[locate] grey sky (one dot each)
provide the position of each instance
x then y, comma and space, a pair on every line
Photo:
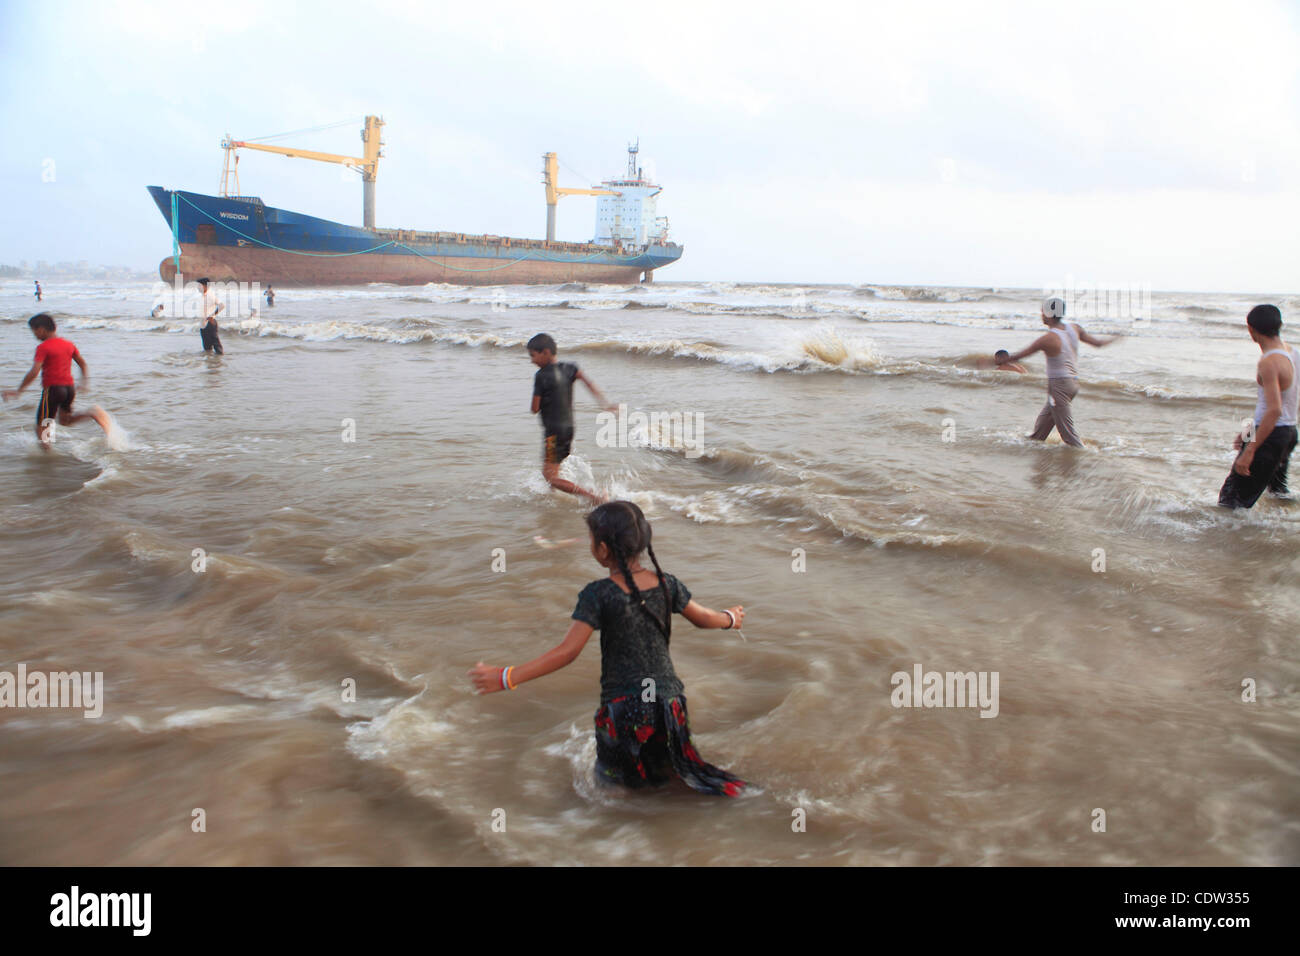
946, 143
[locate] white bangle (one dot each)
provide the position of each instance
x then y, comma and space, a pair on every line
733, 619
504, 685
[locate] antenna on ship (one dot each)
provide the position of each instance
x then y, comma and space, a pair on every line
632, 150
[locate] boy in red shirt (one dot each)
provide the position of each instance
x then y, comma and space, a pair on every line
54, 358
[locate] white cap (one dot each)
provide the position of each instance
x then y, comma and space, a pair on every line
1054, 307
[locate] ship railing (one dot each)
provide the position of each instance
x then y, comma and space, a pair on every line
460, 238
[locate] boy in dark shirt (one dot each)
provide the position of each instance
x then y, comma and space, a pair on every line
54, 358
553, 398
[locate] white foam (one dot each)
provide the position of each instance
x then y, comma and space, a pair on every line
117, 438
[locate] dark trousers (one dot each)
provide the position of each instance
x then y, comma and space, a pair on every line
211, 342
1267, 470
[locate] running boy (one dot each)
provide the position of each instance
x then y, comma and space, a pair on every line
553, 397
1262, 461
643, 736
1060, 345
54, 358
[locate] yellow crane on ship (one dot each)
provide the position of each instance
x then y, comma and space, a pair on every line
550, 176
367, 165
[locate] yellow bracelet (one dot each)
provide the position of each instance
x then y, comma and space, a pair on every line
509, 682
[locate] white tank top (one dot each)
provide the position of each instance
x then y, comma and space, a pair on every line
1290, 397
1062, 365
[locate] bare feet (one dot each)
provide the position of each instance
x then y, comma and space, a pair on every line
102, 419
551, 473
562, 484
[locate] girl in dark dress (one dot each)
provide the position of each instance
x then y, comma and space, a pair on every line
642, 732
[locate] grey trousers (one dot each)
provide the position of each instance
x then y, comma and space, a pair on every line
1056, 413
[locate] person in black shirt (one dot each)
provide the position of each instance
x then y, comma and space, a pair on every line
553, 398
643, 735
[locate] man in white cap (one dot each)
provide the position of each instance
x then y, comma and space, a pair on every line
1060, 346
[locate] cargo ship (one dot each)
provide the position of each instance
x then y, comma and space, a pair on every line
234, 238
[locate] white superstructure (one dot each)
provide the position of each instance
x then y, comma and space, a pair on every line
628, 218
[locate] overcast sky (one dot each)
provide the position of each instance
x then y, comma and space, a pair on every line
952, 143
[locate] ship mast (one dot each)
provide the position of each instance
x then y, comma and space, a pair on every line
230, 170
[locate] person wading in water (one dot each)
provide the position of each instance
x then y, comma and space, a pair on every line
1263, 456
1060, 346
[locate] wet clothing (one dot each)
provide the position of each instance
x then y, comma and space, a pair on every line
1290, 396
54, 399
55, 355
643, 742
1057, 412
1267, 470
208, 324
211, 341
1063, 364
1062, 386
632, 647
554, 385
557, 446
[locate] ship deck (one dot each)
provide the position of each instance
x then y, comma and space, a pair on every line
466, 239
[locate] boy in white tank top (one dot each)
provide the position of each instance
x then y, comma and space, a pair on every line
1264, 452
1060, 345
